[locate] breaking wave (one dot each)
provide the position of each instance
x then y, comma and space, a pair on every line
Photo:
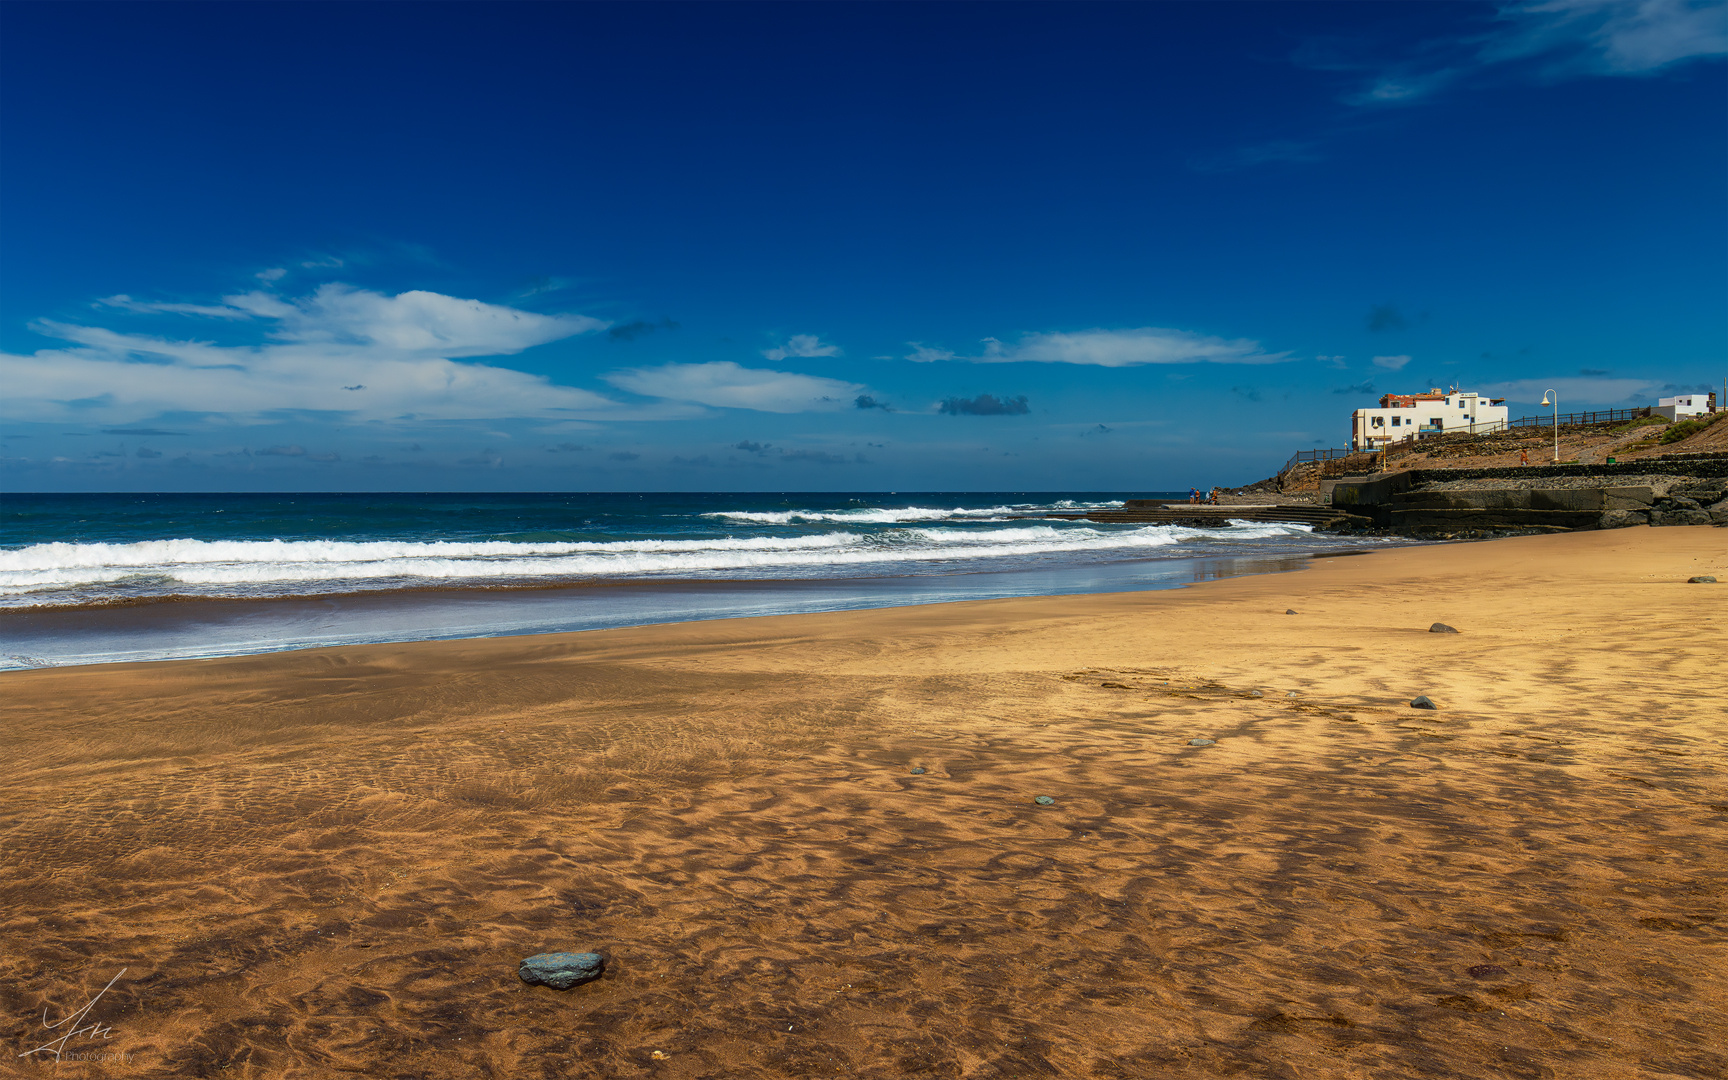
217, 567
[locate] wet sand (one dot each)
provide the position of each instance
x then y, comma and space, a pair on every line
329, 862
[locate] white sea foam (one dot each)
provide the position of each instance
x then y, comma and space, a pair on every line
201, 563
875, 516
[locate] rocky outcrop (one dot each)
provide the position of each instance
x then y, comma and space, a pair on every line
1446, 503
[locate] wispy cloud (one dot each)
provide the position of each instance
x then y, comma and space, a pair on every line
1609, 37
1391, 363
1541, 39
404, 349
924, 354
1113, 348
725, 384
801, 345
144, 307
1361, 389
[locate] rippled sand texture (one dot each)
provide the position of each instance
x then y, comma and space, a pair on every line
329, 862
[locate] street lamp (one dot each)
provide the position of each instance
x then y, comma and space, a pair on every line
1556, 404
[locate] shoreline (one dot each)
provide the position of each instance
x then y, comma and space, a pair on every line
156, 629
807, 844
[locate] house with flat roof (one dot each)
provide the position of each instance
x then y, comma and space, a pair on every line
1413, 416
1681, 406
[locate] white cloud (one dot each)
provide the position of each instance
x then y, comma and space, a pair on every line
402, 349
726, 385
275, 273
1401, 89
1560, 39
924, 354
1578, 392
1615, 37
1391, 363
142, 307
801, 345
1120, 348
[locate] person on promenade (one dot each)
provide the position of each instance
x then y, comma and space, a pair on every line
1193, 495
1523, 457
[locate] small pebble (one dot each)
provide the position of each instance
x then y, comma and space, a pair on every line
1044, 800
1201, 742
1423, 703
659, 1055
1486, 971
1289, 611
1441, 628
919, 771
1255, 693
1291, 694
1701, 579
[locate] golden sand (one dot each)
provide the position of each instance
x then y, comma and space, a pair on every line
329, 862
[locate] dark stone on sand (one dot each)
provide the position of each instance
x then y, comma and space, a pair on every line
1701, 579
1289, 611
919, 771
1255, 693
1201, 742
1487, 971
1044, 800
560, 970
1423, 703
1441, 628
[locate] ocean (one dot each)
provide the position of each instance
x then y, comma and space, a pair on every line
89, 578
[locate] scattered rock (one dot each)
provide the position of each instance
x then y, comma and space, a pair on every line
1442, 628
659, 1055
1620, 519
1289, 611
1487, 971
918, 770
1202, 742
561, 970
1114, 686
1423, 703
1255, 693
1701, 579
1044, 800
1680, 516
1291, 694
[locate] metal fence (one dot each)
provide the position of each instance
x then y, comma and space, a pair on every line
1574, 419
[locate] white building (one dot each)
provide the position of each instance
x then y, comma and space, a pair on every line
1408, 416
1678, 408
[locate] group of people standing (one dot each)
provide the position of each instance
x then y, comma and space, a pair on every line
1210, 498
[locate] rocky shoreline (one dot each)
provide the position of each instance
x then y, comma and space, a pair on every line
1486, 503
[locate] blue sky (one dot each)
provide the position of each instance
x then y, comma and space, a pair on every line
833, 247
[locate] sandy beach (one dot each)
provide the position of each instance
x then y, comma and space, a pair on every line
329, 862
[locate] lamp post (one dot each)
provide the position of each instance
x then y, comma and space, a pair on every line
1556, 404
